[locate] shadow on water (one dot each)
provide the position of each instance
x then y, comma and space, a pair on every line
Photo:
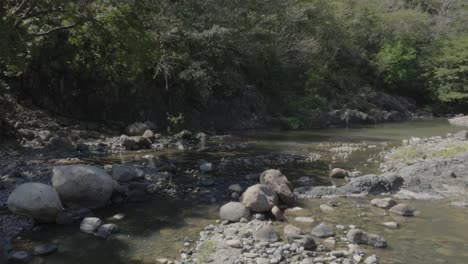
151, 230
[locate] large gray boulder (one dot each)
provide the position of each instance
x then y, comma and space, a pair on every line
82, 185
259, 198
136, 129
279, 184
234, 211
36, 200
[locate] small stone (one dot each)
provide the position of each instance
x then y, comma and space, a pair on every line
21, 256
326, 208
118, 217
403, 210
290, 230
277, 213
371, 260
235, 188
260, 217
266, 234
304, 219
90, 224
162, 261
45, 249
385, 203
187, 244
206, 167
235, 243
106, 230
322, 231
235, 196
391, 224
338, 173
360, 237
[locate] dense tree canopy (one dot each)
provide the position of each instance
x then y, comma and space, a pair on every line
307, 53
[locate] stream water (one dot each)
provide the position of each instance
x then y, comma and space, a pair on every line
158, 227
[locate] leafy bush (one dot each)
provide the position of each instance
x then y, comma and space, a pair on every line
176, 123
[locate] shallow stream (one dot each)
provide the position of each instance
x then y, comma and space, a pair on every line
158, 227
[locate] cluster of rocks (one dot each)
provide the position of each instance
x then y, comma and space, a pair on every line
75, 190
245, 235
432, 168
361, 186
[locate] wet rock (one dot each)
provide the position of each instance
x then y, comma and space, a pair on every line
45, 249
106, 230
35, 200
304, 219
326, 208
358, 236
124, 173
276, 212
323, 230
136, 129
235, 188
290, 230
90, 224
279, 184
364, 185
128, 143
206, 167
58, 143
118, 217
234, 211
19, 256
266, 234
403, 210
338, 173
302, 240
82, 185
235, 195
385, 203
259, 198
371, 260
82, 146
393, 225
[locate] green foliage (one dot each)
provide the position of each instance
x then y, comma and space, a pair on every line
176, 123
206, 249
396, 61
450, 70
302, 55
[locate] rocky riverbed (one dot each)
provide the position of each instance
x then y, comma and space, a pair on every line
221, 169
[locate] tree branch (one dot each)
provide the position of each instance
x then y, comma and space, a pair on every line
45, 33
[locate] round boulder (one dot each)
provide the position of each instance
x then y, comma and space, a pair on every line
233, 211
82, 186
136, 129
280, 184
259, 198
338, 173
36, 200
